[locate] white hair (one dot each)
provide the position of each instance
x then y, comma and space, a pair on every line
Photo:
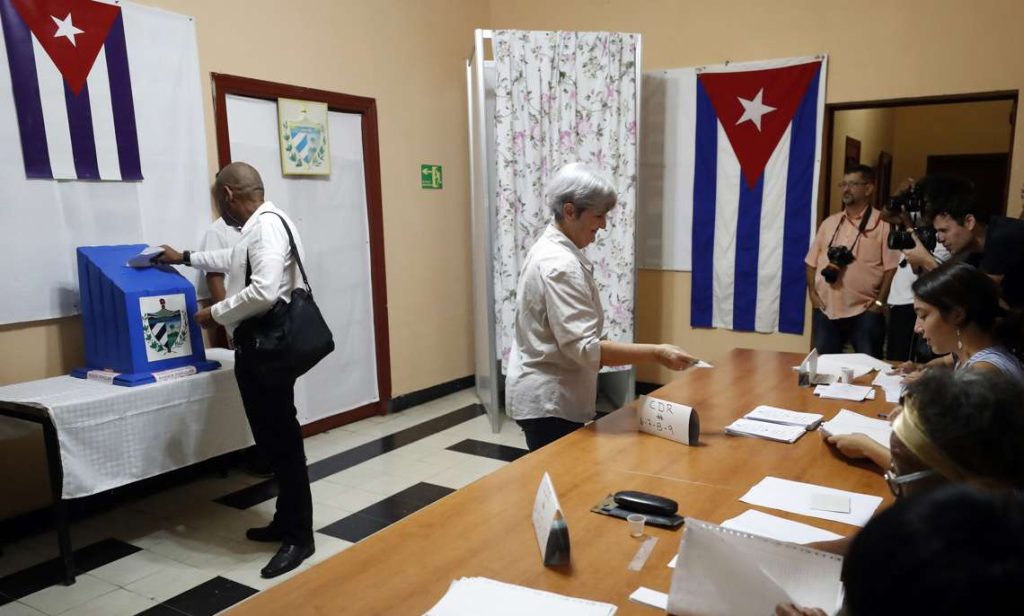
580, 185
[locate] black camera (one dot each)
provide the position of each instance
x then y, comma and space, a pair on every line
838, 258
910, 201
902, 238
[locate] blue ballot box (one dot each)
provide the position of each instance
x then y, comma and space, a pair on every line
138, 323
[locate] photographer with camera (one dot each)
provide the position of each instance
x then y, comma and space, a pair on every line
994, 244
904, 211
849, 270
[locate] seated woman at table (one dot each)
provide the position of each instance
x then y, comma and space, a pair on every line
954, 551
959, 426
958, 314
551, 388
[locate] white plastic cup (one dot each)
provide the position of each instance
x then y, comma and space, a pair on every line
636, 524
847, 375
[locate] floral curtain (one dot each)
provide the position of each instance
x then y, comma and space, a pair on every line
564, 97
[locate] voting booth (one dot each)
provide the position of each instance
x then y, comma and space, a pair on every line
138, 323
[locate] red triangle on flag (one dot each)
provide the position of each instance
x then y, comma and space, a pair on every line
71, 31
755, 109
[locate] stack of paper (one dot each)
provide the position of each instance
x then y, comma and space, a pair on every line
845, 391
816, 501
478, 595
848, 422
727, 572
763, 429
786, 417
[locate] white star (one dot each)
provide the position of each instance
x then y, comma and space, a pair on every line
753, 110
66, 29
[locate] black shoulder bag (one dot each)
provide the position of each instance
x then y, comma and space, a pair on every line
290, 338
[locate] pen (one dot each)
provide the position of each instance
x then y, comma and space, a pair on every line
883, 415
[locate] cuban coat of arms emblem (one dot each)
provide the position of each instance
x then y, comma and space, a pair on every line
305, 147
165, 326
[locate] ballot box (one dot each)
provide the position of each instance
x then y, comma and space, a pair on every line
138, 323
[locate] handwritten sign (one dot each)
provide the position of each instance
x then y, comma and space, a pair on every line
549, 524
671, 420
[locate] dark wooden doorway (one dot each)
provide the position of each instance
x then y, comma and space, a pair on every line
990, 174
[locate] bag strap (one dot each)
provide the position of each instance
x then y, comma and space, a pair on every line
295, 253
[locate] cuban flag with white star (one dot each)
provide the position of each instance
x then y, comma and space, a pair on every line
72, 89
757, 152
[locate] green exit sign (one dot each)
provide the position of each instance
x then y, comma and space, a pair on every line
430, 176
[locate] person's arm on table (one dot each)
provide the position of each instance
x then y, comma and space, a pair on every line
860, 446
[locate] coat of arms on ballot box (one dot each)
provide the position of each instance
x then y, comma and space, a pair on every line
165, 326
138, 323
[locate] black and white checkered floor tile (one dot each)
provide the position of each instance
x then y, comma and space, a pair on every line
182, 552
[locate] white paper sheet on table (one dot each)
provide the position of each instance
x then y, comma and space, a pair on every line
774, 527
774, 414
479, 595
765, 430
860, 363
848, 422
651, 597
845, 391
891, 384
795, 497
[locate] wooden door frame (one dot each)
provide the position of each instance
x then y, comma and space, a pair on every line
366, 108
824, 204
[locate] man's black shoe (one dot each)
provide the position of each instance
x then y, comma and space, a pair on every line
265, 534
287, 558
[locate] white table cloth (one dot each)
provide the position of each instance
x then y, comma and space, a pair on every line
112, 436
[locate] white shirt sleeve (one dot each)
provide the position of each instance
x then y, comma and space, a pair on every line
212, 260
268, 251
572, 316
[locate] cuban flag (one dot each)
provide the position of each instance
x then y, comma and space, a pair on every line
757, 139
72, 89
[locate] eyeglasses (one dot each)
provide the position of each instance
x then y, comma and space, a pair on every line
844, 184
897, 483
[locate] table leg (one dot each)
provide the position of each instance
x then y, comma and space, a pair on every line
60, 507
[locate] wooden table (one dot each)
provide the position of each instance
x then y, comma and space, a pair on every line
485, 530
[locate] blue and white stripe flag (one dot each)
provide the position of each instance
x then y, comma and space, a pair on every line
72, 89
757, 152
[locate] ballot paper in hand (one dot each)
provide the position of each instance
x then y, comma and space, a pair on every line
726, 572
848, 422
145, 258
479, 595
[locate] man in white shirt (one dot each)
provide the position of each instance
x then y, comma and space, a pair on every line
270, 408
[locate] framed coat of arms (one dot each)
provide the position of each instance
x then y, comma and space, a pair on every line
302, 129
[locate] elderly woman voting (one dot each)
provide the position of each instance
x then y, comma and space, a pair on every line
551, 388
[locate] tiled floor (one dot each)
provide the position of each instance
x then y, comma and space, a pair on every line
182, 552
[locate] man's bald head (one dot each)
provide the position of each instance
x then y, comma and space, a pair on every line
243, 180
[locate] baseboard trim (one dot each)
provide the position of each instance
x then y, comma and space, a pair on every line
422, 396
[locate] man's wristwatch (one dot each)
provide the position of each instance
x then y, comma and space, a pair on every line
186, 258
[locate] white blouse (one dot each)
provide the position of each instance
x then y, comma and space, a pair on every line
552, 370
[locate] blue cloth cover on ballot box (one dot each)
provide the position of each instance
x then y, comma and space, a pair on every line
137, 323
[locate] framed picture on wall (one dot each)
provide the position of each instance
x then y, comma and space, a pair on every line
851, 157
302, 131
